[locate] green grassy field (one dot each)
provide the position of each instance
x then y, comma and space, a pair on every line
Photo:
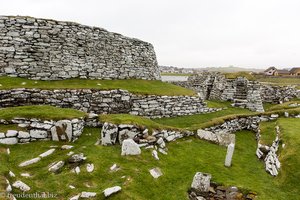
175, 74
134, 86
281, 81
246, 172
41, 112
240, 74
185, 157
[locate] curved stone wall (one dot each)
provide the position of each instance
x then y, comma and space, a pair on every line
107, 101
50, 50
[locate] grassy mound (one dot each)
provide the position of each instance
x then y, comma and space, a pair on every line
134, 120
41, 112
134, 86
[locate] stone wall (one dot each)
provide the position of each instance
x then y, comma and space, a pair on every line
243, 93
49, 50
106, 102
29, 130
168, 106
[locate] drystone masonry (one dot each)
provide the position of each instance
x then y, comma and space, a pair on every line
242, 92
222, 135
50, 50
106, 101
34, 129
168, 106
116, 133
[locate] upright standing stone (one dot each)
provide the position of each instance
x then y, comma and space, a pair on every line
228, 159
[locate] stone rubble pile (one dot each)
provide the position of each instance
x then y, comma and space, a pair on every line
268, 154
203, 189
112, 134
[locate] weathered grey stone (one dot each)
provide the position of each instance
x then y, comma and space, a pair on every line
109, 191
30, 162
62, 131
201, 182
129, 147
126, 134
109, 133
114, 168
77, 158
66, 147
88, 194
47, 153
155, 155
76, 197
2, 135
11, 133
38, 134
56, 166
155, 172
9, 141
90, 167
22, 186
23, 135
228, 159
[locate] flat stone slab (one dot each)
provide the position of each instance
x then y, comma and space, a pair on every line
30, 162
54, 168
9, 141
109, 191
21, 186
47, 153
155, 172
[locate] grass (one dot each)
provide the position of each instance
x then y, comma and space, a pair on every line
134, 86
246, 172
285, 105
268, 132
41, 112
175, 74
281, 81
197, 121
132, 119
240, 74
191, 122
4, 128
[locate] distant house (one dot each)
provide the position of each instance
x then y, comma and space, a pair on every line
271, 71
295, 71
282, 72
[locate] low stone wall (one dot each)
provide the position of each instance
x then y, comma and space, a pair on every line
117, 133
168, 106
278, 94
222, 134
34, 129
106, 102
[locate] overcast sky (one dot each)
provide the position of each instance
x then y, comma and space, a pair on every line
189, 33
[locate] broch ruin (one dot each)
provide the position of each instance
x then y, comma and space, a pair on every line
43, 49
